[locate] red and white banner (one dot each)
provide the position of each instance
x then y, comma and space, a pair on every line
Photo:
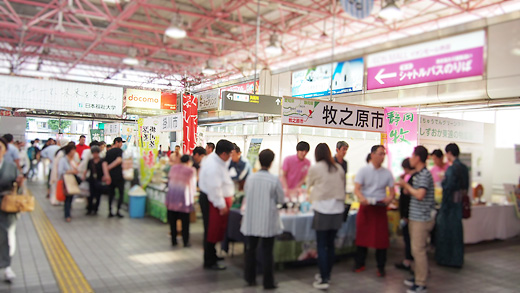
190, 122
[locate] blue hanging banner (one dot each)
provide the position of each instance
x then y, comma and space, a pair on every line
358, 8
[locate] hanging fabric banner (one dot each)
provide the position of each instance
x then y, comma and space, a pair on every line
401, 136
97, 134
148, 147
190, 123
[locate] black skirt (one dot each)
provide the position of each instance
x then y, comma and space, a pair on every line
324, 222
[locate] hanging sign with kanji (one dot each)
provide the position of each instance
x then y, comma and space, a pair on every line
190, 122
401, 136
451, 130
148, 146
305, 112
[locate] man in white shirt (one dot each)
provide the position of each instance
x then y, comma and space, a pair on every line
215, 186
49, 153
371, 186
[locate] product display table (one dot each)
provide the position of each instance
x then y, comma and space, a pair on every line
155, 207
299, 239
490, 223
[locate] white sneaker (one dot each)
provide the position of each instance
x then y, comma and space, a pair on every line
320, 285
409, 282
9, 274
317, 277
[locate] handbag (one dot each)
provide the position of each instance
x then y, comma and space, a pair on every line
15, 203
71, 185
60, 191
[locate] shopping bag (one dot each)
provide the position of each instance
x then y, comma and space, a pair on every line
15, 203
84, 187
71, 185
60, 191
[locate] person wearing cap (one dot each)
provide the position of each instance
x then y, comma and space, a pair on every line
113, 175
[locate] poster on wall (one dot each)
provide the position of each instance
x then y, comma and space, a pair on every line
451, 130
113, 129
190, 122
254, 150
444, 59
315, 82
97, 134
401, 136
304, 112
148, 147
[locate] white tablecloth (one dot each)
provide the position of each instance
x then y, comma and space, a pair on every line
491, 222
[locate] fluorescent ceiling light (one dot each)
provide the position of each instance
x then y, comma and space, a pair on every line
391, 11
131, 61
175, 32
22, 110
208, 71
273, 49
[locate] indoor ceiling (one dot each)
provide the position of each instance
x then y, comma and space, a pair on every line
87, 40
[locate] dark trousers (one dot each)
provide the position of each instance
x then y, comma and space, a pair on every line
68, 205
173, 216
267, 260
95, 196
407, 245
120, 185
326, 255
210, 253
361, 256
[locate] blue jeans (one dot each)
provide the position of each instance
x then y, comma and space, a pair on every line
326, 255
68, 205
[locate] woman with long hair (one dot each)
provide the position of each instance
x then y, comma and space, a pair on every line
326, 182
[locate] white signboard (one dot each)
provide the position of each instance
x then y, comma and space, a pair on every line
170, 123
305, 112
31, 93
113, 129
143, 99
208, 100
451, 130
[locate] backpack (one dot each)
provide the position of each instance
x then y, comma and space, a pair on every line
31, 153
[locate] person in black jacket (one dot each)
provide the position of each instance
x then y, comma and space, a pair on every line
404, 206
95, 180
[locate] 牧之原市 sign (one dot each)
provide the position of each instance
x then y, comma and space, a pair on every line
251, 103
304, 112
449, 58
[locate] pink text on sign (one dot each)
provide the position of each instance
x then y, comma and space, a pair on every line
458, 64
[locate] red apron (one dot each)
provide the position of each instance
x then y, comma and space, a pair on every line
372, 227
217, 223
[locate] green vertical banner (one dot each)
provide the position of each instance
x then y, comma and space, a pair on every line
148, 147
254, 150
97, 134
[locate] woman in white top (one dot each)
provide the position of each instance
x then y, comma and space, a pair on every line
326, 181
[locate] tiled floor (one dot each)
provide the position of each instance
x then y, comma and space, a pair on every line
134, 255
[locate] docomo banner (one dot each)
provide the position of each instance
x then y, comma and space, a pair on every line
305, 112
449, 58
150, 99
143, 99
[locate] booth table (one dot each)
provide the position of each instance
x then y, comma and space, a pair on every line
298, 242
490, 223
155, 199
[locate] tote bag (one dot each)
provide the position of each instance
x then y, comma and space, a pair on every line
71, 185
